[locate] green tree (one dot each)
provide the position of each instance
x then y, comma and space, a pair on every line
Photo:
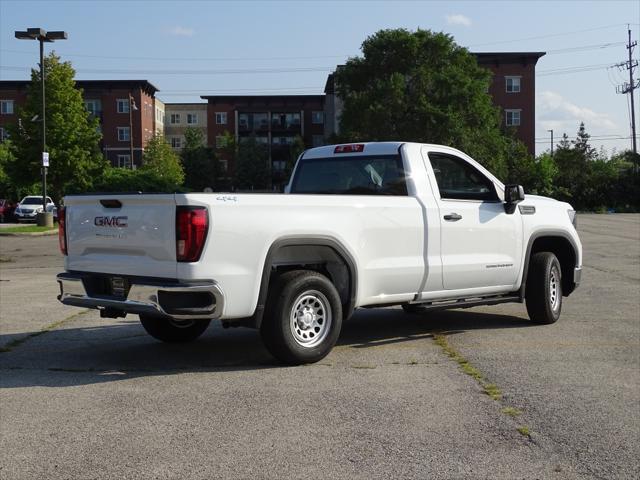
252, 169
545, 173
199, 162
127, 180
160, 158
296, 149
72, 134
421, 86
574, 161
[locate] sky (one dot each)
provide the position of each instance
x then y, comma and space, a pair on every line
190, 48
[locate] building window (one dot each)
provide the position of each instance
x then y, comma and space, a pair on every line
279, 165
123, 105
192, 118
223, 165
176, 142
283, 140
94, 107
221, 141
285, 120
124, 135
124, 161
512, 118
6, 107
159, 116
512, 84
317, 118
3, 134
221, 118
174, 119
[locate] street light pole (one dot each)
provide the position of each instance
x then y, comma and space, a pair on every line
42, 36
132, 107
44, 127
551, 142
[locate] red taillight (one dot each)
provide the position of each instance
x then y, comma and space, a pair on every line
352, 148
192, 224
62, 229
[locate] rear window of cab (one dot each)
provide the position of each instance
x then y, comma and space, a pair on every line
355, 175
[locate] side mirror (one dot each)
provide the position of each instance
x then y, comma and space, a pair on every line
513, 194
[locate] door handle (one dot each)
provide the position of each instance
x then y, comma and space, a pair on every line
452, 217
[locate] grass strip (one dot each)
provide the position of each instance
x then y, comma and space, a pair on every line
27, 229
47, 328
489, 389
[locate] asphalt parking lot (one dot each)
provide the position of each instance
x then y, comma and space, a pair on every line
84, 397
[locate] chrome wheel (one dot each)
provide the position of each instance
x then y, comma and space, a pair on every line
554, 289
310, 318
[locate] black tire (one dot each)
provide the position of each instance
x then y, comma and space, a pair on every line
414, 308
311, 334
173, 331
543, 291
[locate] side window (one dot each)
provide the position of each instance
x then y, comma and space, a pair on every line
457, 180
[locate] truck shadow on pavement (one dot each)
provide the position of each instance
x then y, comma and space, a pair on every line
123, 350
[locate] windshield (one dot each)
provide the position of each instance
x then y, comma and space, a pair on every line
31, 201
362, 175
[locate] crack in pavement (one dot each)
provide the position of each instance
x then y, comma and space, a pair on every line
8, 347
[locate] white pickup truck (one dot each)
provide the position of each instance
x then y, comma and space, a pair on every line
361, 225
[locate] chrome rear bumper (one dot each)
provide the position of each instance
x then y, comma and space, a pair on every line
144, 298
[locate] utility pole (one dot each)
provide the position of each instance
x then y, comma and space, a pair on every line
625, 88
551, 141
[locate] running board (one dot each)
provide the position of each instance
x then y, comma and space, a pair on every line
467, 303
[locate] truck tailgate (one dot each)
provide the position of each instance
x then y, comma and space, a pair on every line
122, 234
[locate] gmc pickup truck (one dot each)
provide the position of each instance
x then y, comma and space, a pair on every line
359, 226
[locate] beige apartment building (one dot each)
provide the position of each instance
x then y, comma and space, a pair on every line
180, 116
160, 117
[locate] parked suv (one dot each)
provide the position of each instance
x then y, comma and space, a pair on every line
30, 206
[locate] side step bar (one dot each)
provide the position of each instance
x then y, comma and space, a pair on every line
468, 303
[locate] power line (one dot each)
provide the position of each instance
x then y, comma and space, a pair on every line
538, 37
187, 72
582, 48
628, 88
541, 73
199, 59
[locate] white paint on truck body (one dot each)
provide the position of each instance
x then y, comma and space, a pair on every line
402, 248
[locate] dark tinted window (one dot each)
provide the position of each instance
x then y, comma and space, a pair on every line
366, 175
460, 181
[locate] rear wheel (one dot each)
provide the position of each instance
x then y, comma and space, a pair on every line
543, 291
303, 318
173, 331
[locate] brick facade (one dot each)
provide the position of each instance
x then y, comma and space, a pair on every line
275, 120
102, 98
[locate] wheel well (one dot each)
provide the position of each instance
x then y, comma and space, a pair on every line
319, 258
564, 251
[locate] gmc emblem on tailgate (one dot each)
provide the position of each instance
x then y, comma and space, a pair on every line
110, 221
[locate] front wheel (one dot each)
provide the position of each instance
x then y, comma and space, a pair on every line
543, 291
173, 331
303, 317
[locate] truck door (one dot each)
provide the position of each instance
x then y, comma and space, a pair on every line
481, 245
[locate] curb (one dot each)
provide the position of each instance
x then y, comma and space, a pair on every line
28, 234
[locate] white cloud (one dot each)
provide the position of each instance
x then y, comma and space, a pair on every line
557, 113
179, 31
458, 19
